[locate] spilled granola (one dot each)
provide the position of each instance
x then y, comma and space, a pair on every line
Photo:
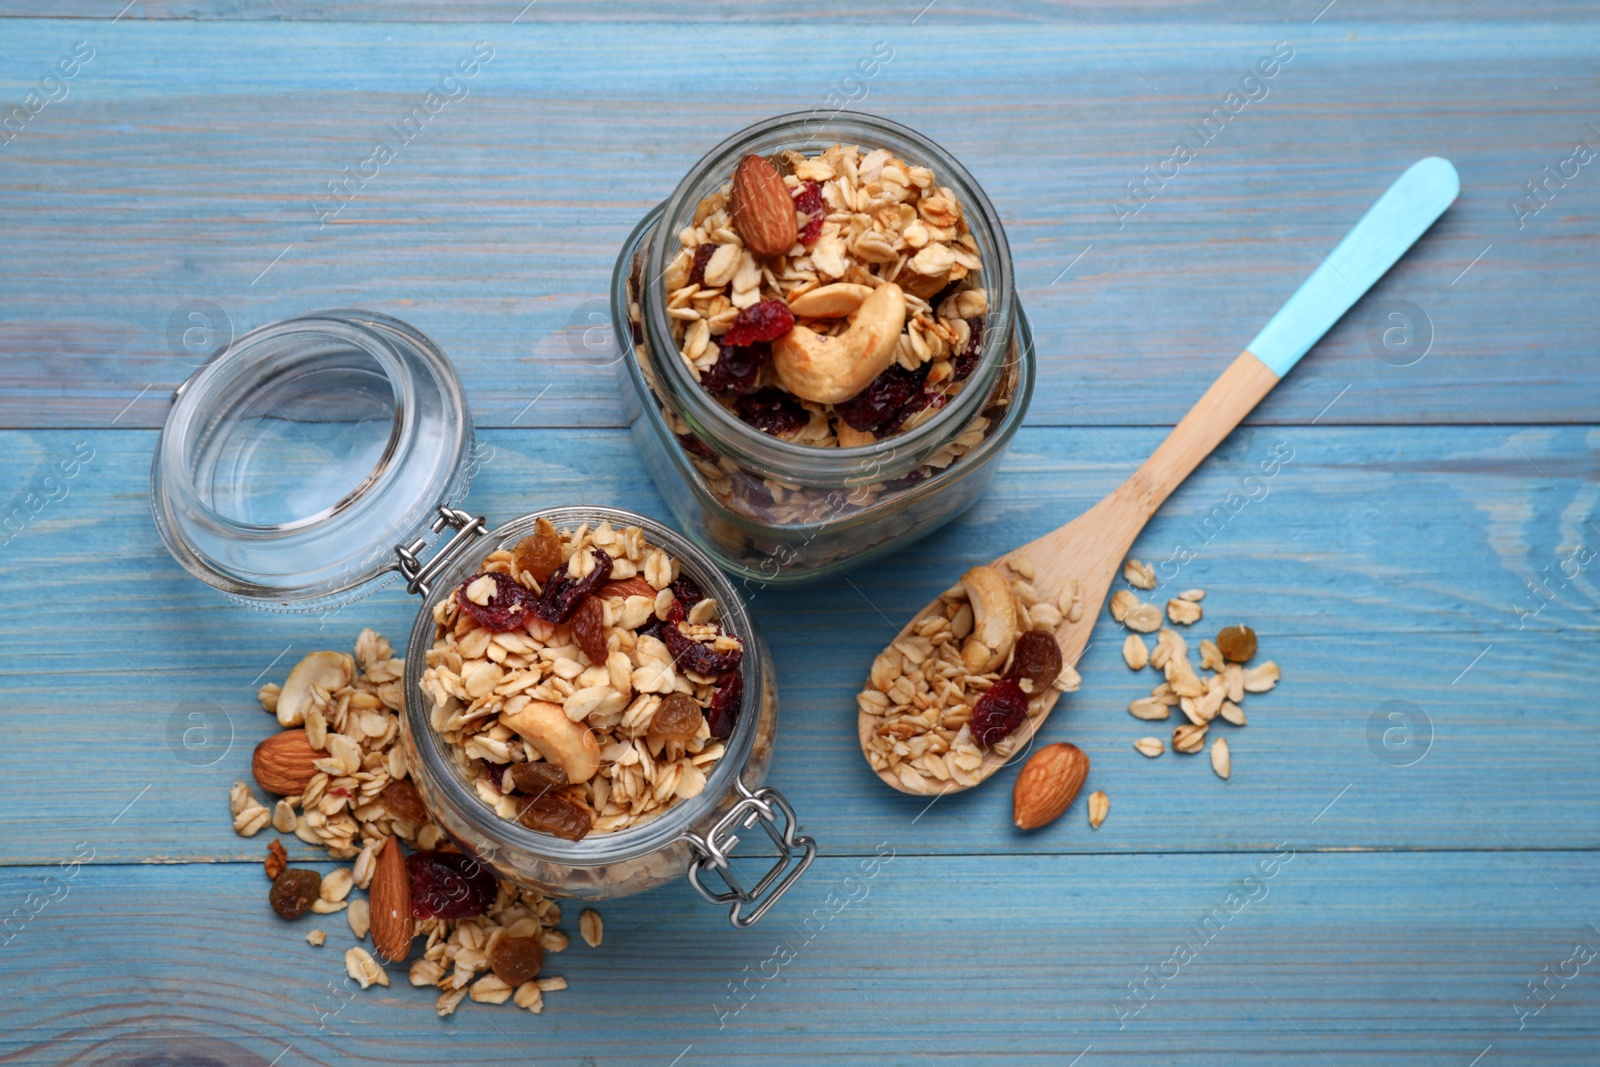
356, 798
1215, 691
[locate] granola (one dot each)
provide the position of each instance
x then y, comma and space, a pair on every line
872, 231
1200, 698
922, 692
587, 713
871, 220
355, 802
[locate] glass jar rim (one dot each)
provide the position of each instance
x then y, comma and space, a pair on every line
212, 545
786, 460
621, 845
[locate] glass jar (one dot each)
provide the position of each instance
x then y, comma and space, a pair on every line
780, 512
314, 459
693, 836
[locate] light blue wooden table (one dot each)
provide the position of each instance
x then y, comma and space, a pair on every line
1429, 543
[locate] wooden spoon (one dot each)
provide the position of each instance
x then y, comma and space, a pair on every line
1091, 548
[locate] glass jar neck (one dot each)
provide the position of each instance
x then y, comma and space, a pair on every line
769, 456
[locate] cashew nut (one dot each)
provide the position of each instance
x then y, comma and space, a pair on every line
567, 744
328, 671
994, 620
828, 370
830, 301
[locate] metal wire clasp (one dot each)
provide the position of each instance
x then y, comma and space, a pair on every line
763, 806
420, 575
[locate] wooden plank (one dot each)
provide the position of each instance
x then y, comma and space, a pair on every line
1336, 959
1376, 566
495, 231
1099, 12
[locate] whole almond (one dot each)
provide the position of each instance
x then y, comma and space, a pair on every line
762, 210
390, 898
627, 587
1047, 785
284, 763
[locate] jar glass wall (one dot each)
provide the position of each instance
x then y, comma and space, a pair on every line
778, 511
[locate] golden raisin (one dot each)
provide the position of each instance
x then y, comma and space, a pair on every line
517, 959
589, 627
1038, 657
539, 554
537, 779
563, 813
294, 891
678, 718
403, 801
1236, 643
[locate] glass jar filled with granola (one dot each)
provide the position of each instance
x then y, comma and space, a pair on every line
590, 711
827, 356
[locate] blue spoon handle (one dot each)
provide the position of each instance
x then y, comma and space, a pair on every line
1392, 225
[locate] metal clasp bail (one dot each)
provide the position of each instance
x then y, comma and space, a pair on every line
712, 851
419, 575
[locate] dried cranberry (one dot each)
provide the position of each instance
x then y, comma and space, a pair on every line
702, 256
508, 607
686, 591
493, 773
449, 885
1038, 657
967, 361
651, 628
696, 447
999, 711
589, 627
808, 201
690, 655
922, 399
872, 408
772, 411
562, 594
765, 320
737, 371
723, 713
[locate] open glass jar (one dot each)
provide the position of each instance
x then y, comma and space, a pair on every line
779, 511
693, 836
314, 459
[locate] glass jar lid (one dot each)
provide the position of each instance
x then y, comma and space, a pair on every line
298, 457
